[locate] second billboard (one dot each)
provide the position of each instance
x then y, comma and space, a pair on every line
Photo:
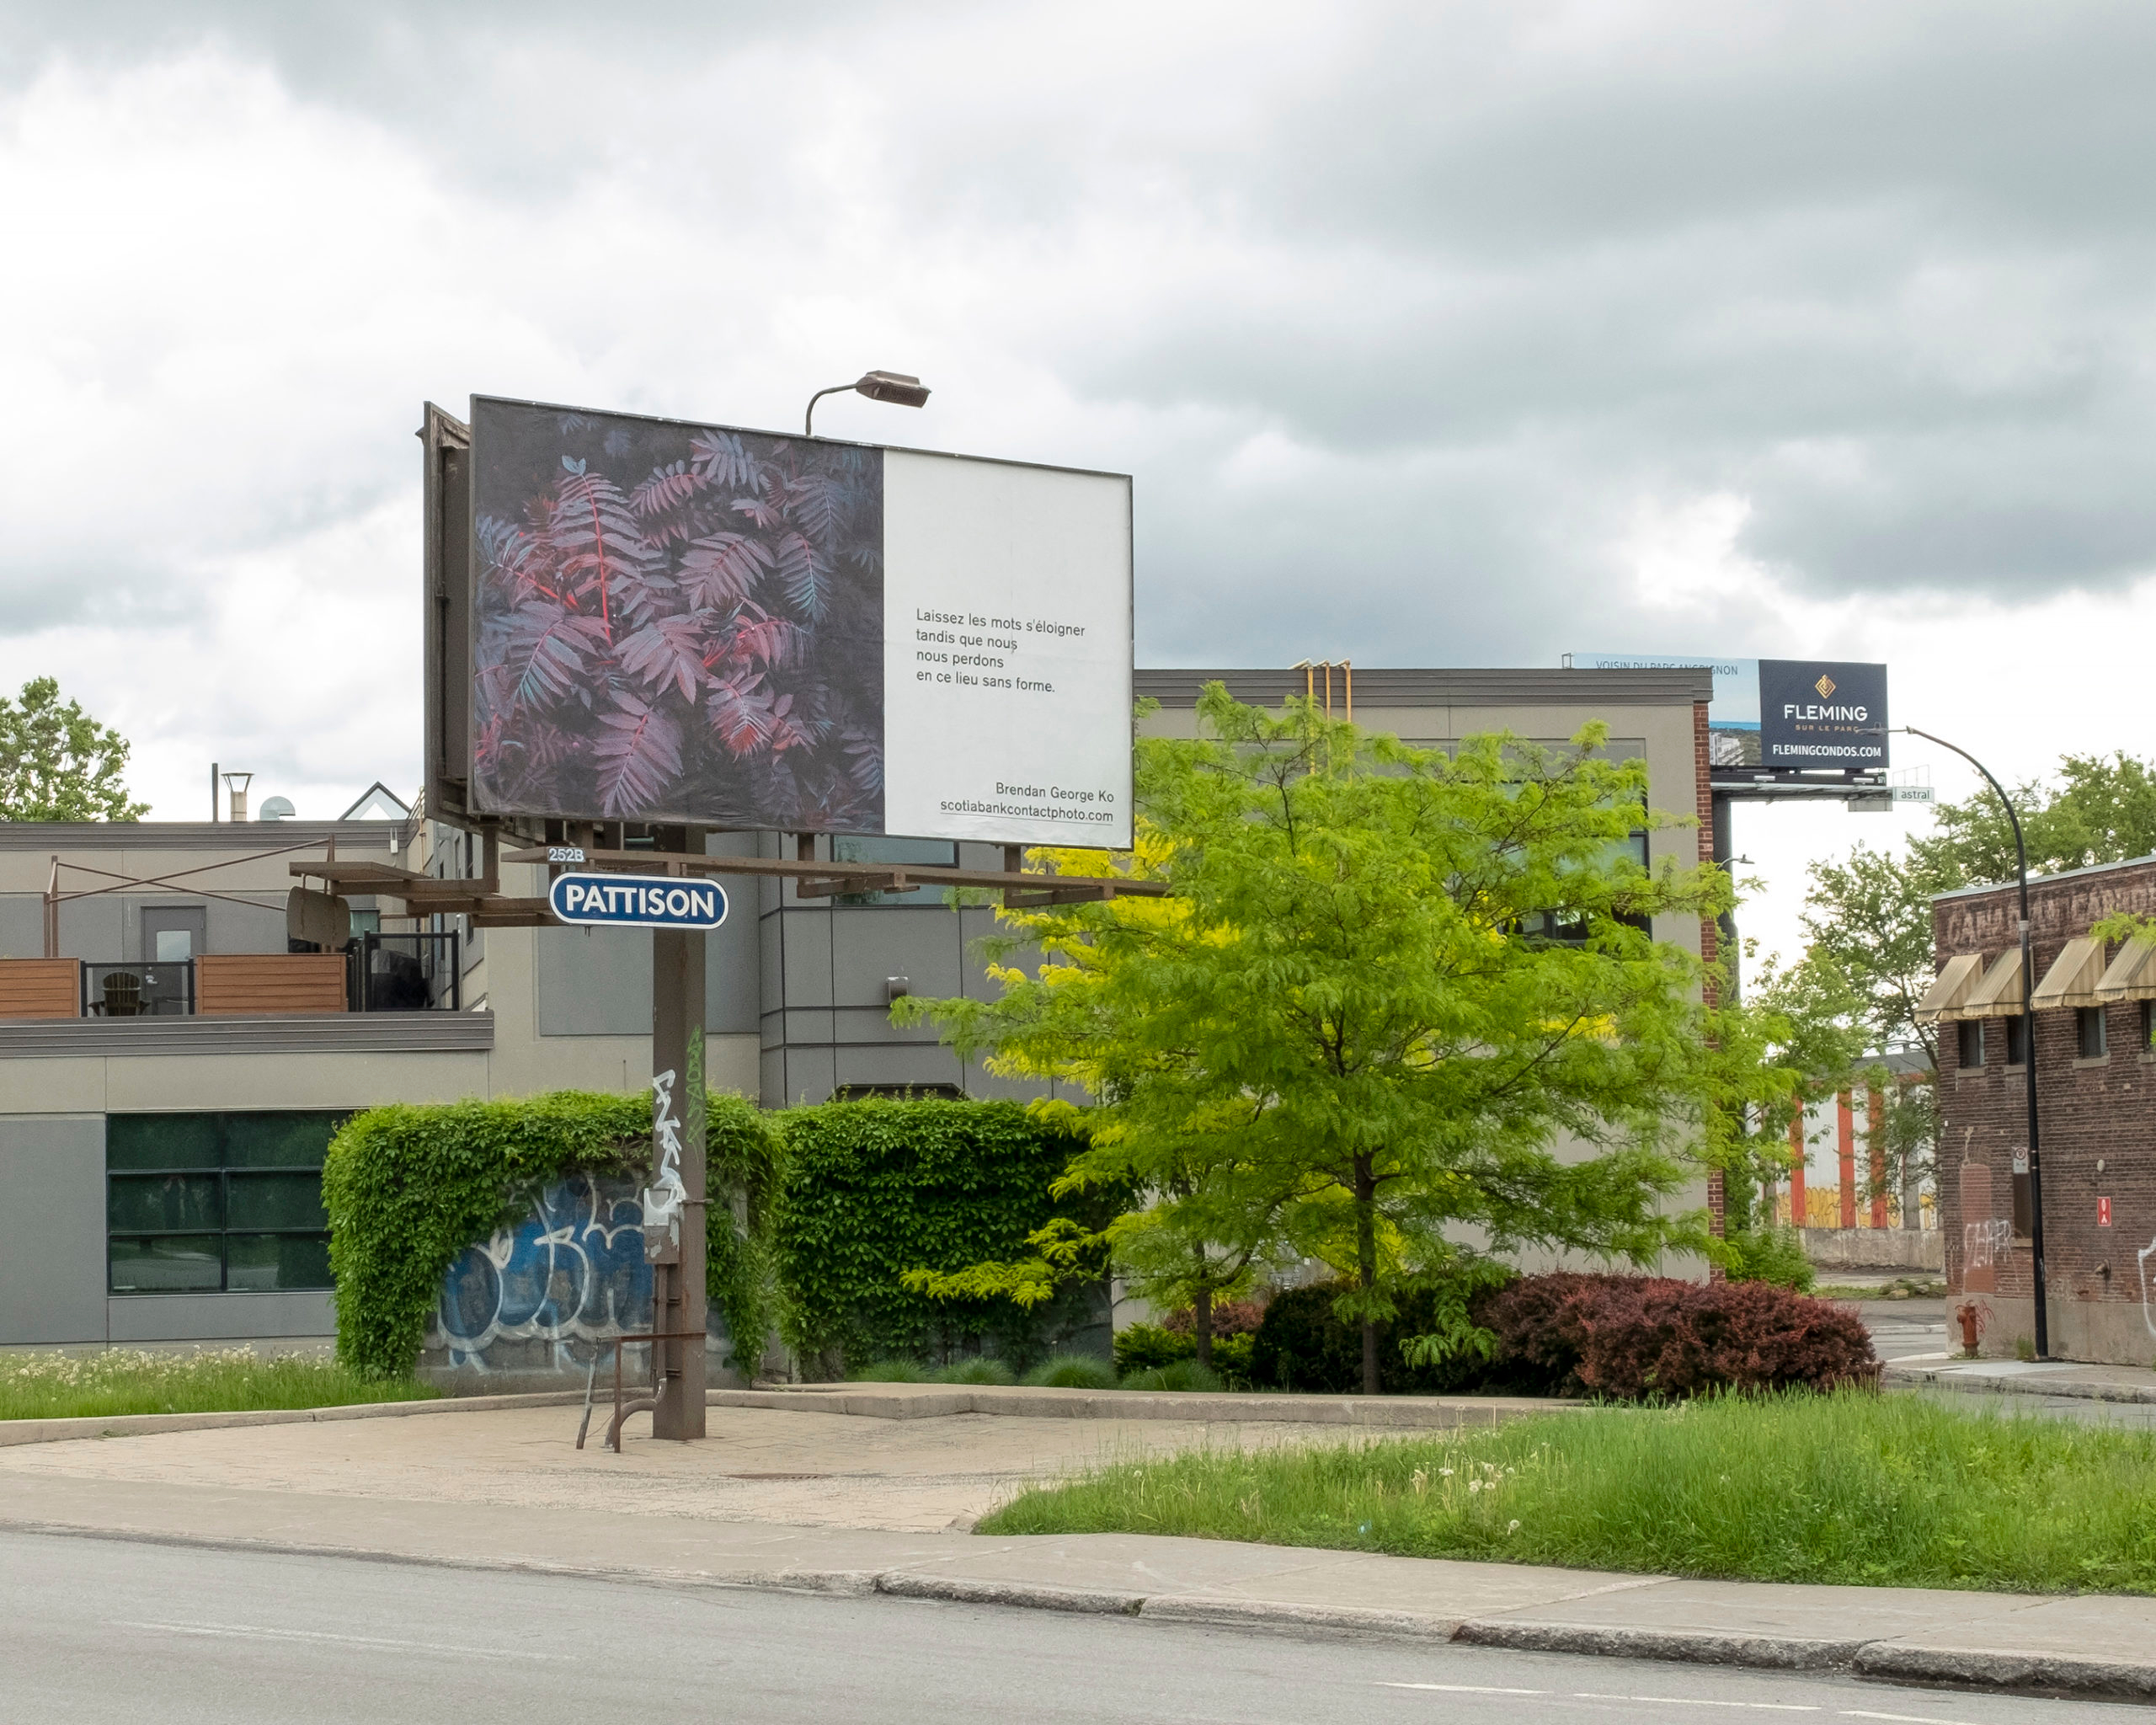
677, 622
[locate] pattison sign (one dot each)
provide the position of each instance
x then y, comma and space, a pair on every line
1822, 714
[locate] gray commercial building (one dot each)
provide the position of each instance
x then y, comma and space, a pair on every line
171, 1067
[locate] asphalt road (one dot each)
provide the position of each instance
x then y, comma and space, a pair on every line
93, 1630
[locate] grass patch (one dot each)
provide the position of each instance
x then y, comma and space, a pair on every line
1850, 1488
208, 1380
1073, 1371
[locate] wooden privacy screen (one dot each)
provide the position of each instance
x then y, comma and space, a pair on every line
39, 988
264, 983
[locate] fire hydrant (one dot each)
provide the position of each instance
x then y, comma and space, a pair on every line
1971, 1321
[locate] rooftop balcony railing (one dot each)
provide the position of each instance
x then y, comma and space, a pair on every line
164, 989
377, 973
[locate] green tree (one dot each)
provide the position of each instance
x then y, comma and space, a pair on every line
1869, 919
1392, 985
57, 763
2103, 809
1209, 1223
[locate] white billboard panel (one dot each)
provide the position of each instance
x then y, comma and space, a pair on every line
1006, 652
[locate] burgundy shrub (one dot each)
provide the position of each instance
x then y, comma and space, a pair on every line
1633, 1337
1230, 1317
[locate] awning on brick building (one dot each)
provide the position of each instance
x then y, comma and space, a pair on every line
1956, 977
1999, 995
2072, 980
2131, 975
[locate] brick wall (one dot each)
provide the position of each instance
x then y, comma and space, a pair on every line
2097, 1120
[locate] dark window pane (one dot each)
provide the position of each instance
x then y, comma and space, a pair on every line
1971, 1037
2089, 1027
277, 1139
2017, 1041
184, 1264
161, 1141
163, 1202
261, 1263
275, 1201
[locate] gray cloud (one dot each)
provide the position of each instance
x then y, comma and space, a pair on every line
1402, 315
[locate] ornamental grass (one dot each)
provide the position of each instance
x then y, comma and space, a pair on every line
118, 1380
1847, 1487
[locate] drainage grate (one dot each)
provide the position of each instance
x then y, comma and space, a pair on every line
778, 1475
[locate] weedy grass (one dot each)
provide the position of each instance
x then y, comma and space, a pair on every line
1072, 1371
1851, 1487
977, 1370
118, 1381
891, 1371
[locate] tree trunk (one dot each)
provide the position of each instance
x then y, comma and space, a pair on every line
1366, 1260
1201, 1309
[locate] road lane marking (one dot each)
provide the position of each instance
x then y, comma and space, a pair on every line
1464, 1688
1681, 1700
1903, 1718
261, 1632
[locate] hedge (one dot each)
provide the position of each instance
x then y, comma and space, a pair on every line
1632, 1339
876, 1188
409, 1187
1621, 1338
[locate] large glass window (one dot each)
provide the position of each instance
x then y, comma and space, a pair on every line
221, 1203
932, 853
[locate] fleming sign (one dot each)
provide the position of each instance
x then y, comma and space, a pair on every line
637, 901
1815, 714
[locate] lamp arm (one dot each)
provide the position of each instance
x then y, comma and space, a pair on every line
809, 419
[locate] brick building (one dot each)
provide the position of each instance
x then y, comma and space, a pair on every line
2095, 1015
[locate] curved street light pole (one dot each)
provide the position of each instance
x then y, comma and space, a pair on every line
2028, 1044
899, 388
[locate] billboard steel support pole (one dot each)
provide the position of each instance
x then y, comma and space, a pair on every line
2028, 1051
674, 1243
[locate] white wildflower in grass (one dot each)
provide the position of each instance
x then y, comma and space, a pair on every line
1511, 1528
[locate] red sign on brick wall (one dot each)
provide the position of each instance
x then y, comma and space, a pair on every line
2103, 1212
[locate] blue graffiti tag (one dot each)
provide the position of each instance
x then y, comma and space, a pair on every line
572, 1272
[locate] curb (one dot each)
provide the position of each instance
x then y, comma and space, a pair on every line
1885, 1661
1690, 1647
1973, 1384
2039, 1673
1391, 1413
129, 1425
1369, 1413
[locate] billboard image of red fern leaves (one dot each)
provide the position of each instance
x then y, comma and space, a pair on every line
675, 622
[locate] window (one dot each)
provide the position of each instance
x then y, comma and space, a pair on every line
2147, 1026
1969, 1038
2017, 1041
2089, 1037
224, 1203
926, 853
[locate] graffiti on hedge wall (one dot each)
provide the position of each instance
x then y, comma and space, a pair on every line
569, 1276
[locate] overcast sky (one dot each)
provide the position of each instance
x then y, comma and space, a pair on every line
1432, 333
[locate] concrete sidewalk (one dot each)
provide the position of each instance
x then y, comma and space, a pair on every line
802, 1498
2074, 1378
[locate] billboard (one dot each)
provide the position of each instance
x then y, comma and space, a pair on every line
1780, 715
1732, 715
1816, 712
672, 623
